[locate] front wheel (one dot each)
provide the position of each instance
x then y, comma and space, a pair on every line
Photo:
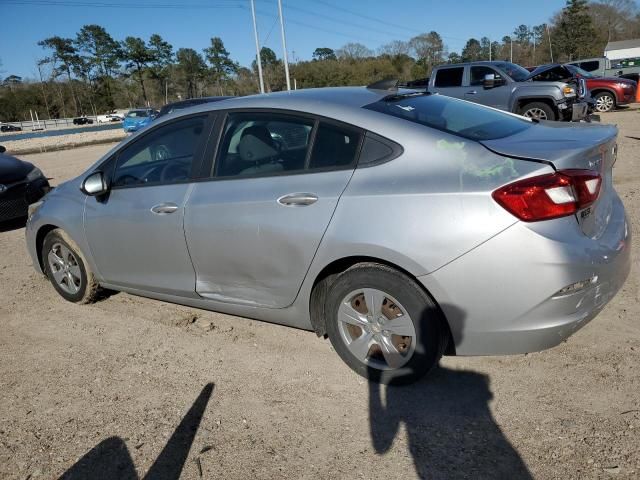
67, 270
383, 325
538, 110
605, 102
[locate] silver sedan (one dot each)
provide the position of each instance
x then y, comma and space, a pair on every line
401, 225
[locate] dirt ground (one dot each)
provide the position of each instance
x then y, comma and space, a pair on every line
131, 387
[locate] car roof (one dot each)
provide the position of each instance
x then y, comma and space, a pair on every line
333, 102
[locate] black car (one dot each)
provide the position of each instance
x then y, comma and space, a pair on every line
21, 183
172, 107
9, 128
82, 121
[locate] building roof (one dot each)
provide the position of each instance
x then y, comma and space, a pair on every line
621, 45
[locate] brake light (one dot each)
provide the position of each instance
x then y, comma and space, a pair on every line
550, 196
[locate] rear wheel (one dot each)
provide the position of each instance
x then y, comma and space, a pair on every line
67, 269
605, 102
383, 325
538, 110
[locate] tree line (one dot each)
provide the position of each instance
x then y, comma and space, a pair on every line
94, 73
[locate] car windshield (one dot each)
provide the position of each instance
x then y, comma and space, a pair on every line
466, 119
137, 113
518, 73
579, 71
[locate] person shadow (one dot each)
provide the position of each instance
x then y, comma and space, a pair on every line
450, 429
110, 459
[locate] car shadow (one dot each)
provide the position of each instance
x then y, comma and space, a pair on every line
11, 225
450, 429
110, 459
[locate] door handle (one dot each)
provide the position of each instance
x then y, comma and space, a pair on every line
298, 199
472, 92
164, 208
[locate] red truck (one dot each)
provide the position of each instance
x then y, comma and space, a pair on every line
607, 92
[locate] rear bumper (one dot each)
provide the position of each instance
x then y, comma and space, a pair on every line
502, 297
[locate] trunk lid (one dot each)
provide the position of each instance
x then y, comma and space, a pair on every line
570, 146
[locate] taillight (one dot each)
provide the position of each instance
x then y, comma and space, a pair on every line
550, 196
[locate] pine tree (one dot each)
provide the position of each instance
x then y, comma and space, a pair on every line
575, 34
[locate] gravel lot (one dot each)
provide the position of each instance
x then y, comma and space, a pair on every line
130, 387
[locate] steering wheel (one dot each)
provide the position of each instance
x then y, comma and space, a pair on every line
161, 152
174, 171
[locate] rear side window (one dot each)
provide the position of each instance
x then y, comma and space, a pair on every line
449, 77
590, 66
334, 147
466, 119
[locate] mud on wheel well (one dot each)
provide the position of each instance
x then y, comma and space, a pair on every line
42, 233
327, 276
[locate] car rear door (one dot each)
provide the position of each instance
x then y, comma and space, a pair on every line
136, 232
449, 81
254, 225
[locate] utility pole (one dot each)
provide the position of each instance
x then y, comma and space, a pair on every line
284, 46
489, 49
550, 47
255, 33
511, 54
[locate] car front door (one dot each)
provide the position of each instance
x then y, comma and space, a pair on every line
253, 228
496, 97
135, 232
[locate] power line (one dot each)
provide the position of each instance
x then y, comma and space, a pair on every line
117, 5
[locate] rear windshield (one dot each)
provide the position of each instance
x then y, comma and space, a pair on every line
138, 113
458, 117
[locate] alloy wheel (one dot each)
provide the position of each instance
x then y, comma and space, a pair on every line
604, 103
376, 329
537, 113
64, 268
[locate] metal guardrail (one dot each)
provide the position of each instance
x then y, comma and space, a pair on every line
49, 124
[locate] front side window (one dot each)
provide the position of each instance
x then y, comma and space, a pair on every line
478, 73
449, 77
164, 155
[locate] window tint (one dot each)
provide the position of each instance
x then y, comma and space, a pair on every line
334, 147
466, 119
164, 155
263, 143
449, 77
376, 150
478, 73
590, 66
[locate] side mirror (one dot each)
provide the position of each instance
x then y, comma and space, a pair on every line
490, 81
2, 149
95, 184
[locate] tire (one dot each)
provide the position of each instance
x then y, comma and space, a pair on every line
605, 102
73, 279
538, 110
415, 355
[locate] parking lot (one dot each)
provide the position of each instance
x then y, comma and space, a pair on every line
130, 387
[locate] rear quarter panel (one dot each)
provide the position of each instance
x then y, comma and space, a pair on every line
426, 207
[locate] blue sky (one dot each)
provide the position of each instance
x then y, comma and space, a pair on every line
309, 23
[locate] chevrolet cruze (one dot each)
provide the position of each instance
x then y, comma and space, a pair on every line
401, 225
